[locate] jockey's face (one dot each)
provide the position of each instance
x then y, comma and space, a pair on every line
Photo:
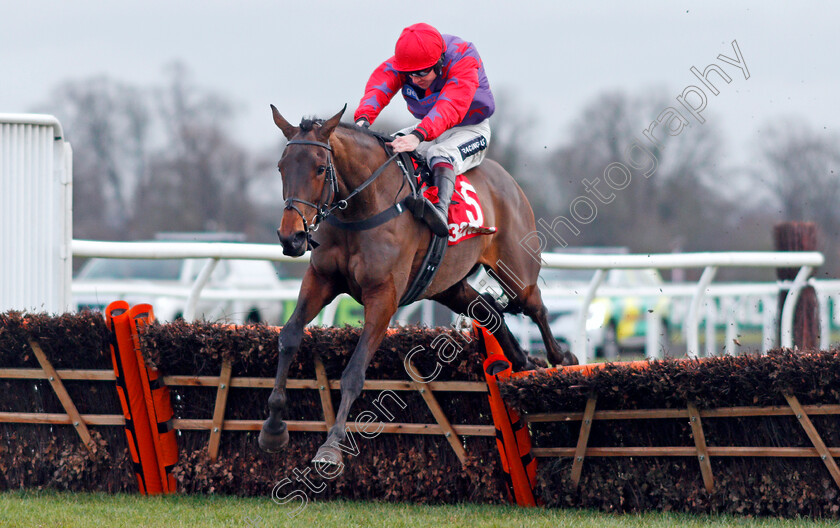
425, 81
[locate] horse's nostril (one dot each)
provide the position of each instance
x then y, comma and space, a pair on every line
294, 244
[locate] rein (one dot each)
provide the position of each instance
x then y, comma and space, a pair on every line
326, 206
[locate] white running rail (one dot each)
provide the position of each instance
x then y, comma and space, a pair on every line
709, 262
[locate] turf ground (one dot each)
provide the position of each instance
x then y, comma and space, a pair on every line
96, 510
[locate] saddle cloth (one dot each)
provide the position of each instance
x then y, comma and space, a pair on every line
466, 219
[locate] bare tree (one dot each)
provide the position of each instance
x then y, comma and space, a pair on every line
802, 176
199, 179
151, 159
516, 145
109, 124
677, 201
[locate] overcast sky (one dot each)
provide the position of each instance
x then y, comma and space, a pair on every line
309, 58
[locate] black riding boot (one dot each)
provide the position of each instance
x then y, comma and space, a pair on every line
436, 215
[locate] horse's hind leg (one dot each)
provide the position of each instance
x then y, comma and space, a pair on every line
315, 293
534, 308
465, 300
528, 299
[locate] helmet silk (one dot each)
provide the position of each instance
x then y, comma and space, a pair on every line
419, 47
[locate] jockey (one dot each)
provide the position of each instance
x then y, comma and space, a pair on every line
444, 85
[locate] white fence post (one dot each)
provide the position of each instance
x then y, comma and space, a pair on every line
36, 195
711, 327
692, 341
428, 311
580, 345
825, 321
654, 338
789, 308
198, 285
768, 325
330, 310
731, 334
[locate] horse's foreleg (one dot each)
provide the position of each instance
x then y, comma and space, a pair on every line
315, 293
380, 306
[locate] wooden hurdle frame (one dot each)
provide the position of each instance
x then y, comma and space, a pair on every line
690, 412
442, 426
224, 381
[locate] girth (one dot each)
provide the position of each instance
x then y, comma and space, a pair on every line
427, 271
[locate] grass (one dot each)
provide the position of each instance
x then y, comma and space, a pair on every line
82, 510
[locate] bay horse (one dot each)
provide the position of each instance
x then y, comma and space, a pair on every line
325, 163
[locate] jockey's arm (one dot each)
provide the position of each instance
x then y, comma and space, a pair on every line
383, 84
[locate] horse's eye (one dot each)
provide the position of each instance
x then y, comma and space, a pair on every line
321, 169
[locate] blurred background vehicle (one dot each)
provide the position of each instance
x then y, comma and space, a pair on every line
617, 318
165, 284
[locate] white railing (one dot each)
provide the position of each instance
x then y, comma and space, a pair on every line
727, 305
174, 250
214, 251
710, 262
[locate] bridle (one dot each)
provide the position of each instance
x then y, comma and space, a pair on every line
412, 202
329, 192
325, 207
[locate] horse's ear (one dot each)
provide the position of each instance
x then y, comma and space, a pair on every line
288, 130
330, 124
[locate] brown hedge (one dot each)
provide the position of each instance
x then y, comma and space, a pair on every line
755, 486
417, 468
41, 456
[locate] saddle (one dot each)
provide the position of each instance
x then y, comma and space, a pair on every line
417, 173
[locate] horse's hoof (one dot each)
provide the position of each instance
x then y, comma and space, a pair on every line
530, 365
273, 443
327, 455
562, 357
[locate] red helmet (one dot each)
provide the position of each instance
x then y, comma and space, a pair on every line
419, 47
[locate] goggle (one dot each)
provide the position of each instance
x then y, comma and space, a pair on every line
420, 73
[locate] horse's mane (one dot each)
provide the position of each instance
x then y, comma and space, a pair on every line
307, 124
362, 130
